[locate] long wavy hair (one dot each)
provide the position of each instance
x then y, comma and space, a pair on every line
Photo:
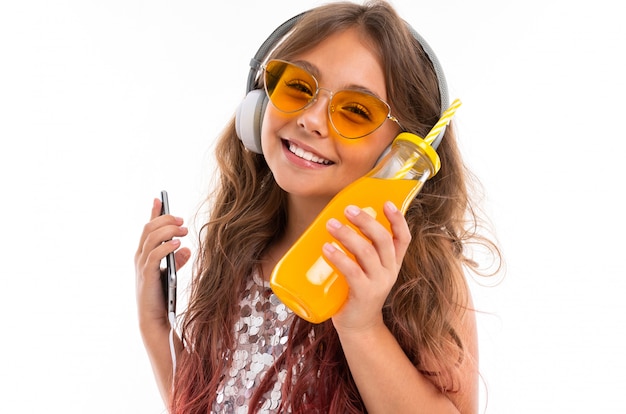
248, 213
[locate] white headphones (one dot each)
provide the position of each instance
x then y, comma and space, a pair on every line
249, 116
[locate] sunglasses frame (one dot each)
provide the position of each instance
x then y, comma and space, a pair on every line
332, 94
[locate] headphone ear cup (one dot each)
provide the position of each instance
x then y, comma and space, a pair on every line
249, 118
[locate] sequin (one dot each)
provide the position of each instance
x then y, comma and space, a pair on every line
262, 332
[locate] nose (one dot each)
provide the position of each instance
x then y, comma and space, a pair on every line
314, 118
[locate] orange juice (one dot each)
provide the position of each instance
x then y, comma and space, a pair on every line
303, 279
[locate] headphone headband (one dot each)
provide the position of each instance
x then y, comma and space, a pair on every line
267, 46
441, 77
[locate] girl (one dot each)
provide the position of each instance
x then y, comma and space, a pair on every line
405, 340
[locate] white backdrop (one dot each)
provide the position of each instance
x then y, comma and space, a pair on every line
105, 103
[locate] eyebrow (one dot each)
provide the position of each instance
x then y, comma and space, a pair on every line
314, 70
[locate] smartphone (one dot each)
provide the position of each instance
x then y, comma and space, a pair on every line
168, 278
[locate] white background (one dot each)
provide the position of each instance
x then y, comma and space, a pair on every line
103, 104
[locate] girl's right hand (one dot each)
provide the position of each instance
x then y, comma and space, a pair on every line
157, 241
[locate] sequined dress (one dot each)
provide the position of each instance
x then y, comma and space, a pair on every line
261, 333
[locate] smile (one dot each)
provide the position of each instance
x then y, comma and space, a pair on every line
306, 155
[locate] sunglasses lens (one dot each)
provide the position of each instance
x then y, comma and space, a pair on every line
353, 114
289, 87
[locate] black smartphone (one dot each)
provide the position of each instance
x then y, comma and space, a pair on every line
168, 278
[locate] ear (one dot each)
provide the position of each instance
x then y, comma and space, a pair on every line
249, 119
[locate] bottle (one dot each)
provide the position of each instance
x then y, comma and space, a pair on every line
303, 280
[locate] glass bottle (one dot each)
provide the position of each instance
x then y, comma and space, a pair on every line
303, 279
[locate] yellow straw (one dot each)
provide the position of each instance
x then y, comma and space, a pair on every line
443, 121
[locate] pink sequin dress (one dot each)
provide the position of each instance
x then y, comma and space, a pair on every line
261, 333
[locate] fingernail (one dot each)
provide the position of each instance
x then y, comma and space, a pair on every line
329, 248
334, 223
352, 210
391, 206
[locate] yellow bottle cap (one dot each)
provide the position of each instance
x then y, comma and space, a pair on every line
431, 154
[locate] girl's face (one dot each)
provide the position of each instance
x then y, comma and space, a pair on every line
308, 158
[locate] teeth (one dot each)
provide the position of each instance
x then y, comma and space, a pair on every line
307, 155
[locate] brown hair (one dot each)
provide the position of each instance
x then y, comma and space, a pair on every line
424, 307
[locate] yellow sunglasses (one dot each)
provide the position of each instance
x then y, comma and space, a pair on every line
352, 113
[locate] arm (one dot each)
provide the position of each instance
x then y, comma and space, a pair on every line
156, 341
157, 240
387, 380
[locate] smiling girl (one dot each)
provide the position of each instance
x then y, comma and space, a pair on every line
405, 339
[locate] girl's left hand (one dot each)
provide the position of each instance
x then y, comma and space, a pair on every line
378, 256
